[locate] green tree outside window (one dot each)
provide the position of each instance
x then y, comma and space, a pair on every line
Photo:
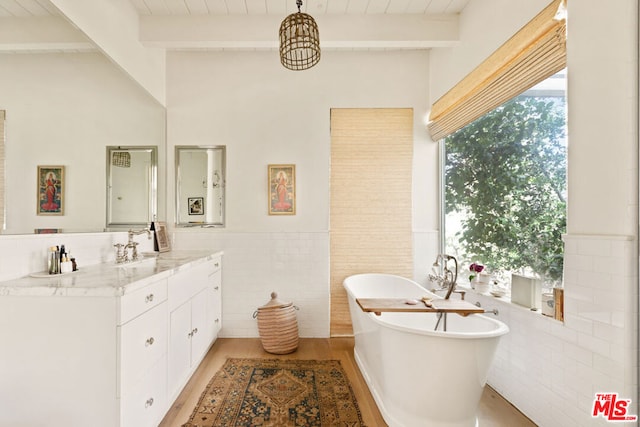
505, 181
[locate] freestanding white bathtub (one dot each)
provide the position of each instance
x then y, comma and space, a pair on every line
420, 377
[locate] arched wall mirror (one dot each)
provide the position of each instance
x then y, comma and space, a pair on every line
131, 186
200, 186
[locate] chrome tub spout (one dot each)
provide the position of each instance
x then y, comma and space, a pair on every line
446, 278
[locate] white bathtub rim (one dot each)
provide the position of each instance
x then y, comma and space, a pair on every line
423, 291
499, 330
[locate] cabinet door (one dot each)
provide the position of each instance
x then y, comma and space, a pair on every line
200, 328
179, 347
215, 309
194, 320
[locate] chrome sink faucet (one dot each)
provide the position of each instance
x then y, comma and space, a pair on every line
134, 245
122, 250
446, 279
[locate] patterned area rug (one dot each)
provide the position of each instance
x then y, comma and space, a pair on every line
278, 393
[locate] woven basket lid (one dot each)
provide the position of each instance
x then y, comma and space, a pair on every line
274, 303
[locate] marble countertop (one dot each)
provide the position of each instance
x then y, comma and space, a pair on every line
108, 279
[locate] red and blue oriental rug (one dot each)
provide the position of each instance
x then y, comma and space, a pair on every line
278, 393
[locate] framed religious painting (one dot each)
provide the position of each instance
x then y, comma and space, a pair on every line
50, 190
282, 189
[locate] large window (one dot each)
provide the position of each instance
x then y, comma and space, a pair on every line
505, 186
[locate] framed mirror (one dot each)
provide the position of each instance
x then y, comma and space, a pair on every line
72, 131
131, 186
200, 186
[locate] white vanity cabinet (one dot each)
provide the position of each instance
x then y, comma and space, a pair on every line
142, 361
100, 348
194, 320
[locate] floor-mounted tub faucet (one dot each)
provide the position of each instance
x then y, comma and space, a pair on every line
447, 278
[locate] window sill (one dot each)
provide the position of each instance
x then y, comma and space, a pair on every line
504, 300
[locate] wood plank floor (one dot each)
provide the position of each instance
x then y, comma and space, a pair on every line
494, 411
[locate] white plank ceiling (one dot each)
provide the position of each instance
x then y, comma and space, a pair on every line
137, 33
28, 26
23, 8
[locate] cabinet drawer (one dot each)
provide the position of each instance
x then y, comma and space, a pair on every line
187, 283
147, 404
143, 341
215, 278
136, 303
215, 309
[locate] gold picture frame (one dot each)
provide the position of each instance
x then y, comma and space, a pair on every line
282, 189
161, 240
50, 190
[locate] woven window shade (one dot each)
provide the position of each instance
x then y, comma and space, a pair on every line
533, 54
2, 168
371, 181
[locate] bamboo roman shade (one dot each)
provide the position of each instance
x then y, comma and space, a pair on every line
533, 54
371, 204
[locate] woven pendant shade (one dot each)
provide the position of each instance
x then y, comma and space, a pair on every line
121, 159
299, 41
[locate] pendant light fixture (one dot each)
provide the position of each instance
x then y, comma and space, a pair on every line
299, 41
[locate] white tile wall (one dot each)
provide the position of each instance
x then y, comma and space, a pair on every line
293, 264
551, 370
24, 254
548, 369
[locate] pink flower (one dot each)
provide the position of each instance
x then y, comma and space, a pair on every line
477, 268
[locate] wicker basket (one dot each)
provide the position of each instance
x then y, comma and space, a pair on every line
278, 326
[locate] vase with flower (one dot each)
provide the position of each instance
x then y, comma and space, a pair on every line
479, 279
474, 277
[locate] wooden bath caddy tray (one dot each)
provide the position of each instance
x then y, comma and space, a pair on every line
379, 305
